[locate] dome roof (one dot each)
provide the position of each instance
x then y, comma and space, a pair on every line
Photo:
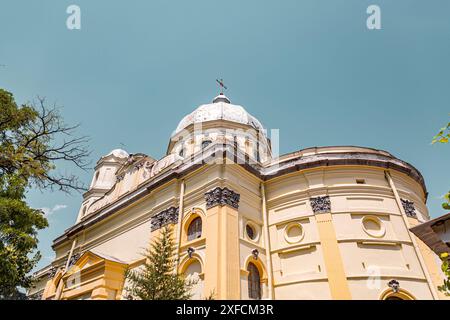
118, 153
219, 109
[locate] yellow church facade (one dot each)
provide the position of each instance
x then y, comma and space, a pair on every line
319, 223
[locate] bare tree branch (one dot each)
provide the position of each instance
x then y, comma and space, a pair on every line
36, 148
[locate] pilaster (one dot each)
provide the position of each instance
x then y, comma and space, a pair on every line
222, 244
334, 265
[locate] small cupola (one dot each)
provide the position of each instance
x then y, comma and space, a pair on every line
221, 98
106, 168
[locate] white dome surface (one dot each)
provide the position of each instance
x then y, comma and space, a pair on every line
219, 110
118, 153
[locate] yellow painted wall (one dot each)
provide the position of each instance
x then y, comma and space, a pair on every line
332, 259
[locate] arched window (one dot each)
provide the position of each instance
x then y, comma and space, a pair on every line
96, 176
195, 229
254, 282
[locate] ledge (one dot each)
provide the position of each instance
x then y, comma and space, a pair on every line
295, 248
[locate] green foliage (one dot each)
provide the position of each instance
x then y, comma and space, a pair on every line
446, 205
445, 288
28, 156
157, 279
443, 135
18, 236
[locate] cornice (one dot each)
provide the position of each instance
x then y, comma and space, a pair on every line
264, 173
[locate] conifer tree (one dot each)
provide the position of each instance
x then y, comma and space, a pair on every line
157, 280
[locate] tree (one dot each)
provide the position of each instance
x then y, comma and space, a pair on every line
157, 280
443, 136
18, 230
445, 287
33, 140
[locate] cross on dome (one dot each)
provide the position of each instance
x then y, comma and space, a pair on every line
221, 86
221, 97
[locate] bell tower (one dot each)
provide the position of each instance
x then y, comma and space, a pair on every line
104, 178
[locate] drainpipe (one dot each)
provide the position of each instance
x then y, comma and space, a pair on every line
413, 240
60, 287
74, 242
179, 225
267, 241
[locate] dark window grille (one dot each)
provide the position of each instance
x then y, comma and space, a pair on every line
195, 229
254, 282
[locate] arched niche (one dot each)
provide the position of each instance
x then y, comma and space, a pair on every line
192, 270
401, 294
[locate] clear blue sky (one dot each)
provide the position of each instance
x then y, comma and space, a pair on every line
310, 68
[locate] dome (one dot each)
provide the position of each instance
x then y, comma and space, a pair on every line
220, 109
118, 153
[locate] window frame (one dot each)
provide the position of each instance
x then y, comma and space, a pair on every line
195, 228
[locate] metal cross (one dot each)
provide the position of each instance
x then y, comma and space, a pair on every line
221, 85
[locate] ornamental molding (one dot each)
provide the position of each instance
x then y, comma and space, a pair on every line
165, 217
148, 165
190, 252
221, 197
138, 166
52, 272
394, 285
409, 208
255, 254
73, 259
321, 204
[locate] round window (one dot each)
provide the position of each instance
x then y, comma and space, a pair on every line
251, 232
373, 226
293, 232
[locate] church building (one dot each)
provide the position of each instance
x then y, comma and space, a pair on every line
318, 223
